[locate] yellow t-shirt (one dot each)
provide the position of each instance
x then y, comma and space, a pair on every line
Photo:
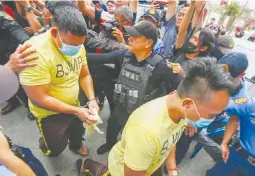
60, 72
147, 139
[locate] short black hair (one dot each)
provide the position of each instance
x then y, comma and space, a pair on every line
204, 78
70, 19
52, 5
213, 19
208, 60
206, 38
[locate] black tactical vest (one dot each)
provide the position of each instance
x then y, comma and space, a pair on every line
131, 89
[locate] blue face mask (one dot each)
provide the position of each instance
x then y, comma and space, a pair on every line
202, 122
69, 50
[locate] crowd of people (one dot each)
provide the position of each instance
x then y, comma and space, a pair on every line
62, 58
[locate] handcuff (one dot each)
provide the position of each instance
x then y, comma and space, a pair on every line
175, 174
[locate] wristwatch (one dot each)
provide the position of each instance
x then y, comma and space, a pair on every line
28, 8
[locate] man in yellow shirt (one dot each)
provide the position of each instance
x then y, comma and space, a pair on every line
152, 131
53, 84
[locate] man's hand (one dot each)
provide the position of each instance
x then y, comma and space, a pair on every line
18, 60
225, 152
190, 130
177, 69
118, 34
155, 5
93, 104
29, 30
86, 115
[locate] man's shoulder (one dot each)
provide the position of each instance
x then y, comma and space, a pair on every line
149, 113
39, 41
244, 106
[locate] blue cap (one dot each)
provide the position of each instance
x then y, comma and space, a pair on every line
154, 14
236, 63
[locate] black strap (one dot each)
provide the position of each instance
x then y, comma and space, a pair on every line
247, 156
127, 58
154, 60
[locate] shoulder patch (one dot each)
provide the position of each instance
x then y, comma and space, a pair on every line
152, 11
241, 100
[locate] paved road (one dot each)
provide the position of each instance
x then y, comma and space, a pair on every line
249, 49
25, 132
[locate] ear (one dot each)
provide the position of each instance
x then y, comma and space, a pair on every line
187, 103
54, 32
242, 75
149, 43
128, 23
157, 25
203, 48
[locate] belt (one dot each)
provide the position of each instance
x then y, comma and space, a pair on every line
250, 159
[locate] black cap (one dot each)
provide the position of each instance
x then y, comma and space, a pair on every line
235, 62
154, 14
143, 28
52, 4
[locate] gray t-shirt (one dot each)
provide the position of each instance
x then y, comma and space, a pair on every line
170, 36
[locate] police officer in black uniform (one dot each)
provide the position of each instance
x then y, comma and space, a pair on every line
11, 34
143, 76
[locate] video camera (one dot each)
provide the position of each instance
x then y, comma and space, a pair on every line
108, 27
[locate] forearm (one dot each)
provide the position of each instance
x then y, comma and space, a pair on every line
86, 9
87, 86
133, 5
230, 130
33, 21
105, 58
197, 21
37, 12
184, 26
16, 165
171, 9
53, 104
171, 159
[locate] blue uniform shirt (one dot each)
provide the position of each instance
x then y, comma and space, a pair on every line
242, 92
170, 36
159, 47
244, 108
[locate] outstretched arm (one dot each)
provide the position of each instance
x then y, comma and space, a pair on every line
87, 9
171, 9
184, 26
